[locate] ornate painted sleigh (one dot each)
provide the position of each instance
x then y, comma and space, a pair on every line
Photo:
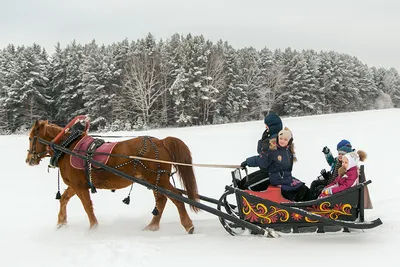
268, 209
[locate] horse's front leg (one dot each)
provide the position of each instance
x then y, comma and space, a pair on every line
62, 214
84, 196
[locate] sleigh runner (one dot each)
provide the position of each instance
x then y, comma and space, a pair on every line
260, 212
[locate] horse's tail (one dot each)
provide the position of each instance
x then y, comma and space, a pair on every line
180, 153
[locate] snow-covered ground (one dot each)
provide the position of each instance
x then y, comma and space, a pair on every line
28, 234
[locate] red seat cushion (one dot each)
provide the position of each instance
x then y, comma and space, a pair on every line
273, 193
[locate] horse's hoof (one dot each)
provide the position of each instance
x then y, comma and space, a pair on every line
191, 230
60, 225
152, 228
94, 226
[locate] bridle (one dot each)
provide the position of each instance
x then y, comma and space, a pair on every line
32, 150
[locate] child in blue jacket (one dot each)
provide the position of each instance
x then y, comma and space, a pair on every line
278, 160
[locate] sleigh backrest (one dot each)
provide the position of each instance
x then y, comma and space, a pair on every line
366, 197
361, 176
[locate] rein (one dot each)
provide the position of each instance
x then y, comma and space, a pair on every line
83, 118
168, 162
156, 160
113, 136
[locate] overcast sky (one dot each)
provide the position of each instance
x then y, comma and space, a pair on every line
369, 30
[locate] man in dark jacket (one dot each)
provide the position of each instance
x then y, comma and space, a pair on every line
259, 180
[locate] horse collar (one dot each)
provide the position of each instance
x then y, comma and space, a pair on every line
57, 153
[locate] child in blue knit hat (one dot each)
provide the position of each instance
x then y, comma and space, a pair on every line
326, 177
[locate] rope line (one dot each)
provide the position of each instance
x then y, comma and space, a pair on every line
168, 162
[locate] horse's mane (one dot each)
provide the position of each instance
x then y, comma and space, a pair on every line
51, 129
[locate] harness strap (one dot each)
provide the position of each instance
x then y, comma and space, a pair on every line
155, 211
142, 151
58, 195
88, 165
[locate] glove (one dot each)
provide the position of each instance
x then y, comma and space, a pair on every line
325, 150
325, 174
243, 165
327, 192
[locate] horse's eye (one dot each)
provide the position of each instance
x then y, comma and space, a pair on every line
30, 139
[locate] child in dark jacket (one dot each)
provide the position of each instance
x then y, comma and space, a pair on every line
273, 125
259, 180
327, 177
348, 174
278, 160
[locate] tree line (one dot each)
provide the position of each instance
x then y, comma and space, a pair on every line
182, 81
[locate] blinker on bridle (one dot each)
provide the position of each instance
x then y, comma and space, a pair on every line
32, 150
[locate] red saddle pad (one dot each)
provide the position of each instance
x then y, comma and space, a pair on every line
81, 148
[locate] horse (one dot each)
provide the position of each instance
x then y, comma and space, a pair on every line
169, 149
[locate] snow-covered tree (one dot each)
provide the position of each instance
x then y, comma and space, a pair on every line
121, 56
232, 102
98, 79
69, 103
250, 80
364, 81
25, 85
388, 82
143, 84
272, 80
193, 90
171, 58
284, 60
57, 73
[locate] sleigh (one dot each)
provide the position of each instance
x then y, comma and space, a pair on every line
269, 209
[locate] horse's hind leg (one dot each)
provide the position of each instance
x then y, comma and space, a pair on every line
62, 214
185, 219
154, 225
84, 196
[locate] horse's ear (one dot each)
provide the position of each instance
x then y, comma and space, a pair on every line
36, 124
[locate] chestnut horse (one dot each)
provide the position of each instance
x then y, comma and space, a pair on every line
168, 149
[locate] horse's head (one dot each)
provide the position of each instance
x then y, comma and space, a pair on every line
36, 150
